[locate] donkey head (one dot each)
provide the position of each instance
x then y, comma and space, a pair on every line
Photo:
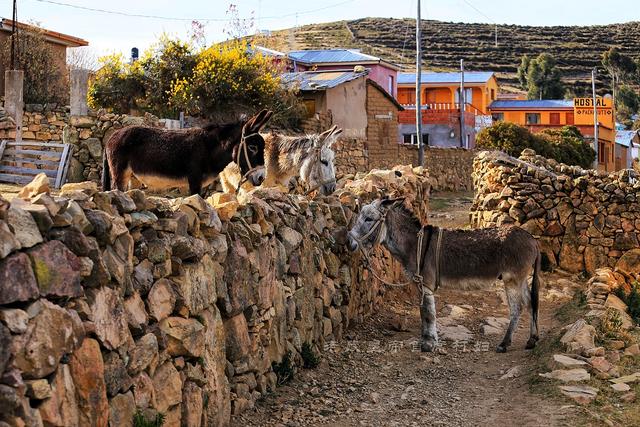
370, 227
318, 170
249, 152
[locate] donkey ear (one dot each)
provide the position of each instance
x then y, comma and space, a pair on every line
388, 203
324, 135
258, 121
333, 136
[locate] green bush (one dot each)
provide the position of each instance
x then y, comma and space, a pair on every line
139, 420
309, 358
566, 145
632, 299
284, 370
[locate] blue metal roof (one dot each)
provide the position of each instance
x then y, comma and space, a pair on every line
625, 137
433, 78
531, 103
320, 80
330, 56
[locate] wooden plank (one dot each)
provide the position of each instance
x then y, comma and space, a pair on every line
17, 170
16, 179
52, 154
66, 166
35, 144
14, 158
63, 160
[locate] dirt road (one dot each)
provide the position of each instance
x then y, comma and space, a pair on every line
378, 377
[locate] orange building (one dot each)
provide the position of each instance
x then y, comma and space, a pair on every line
440, 98
537, 115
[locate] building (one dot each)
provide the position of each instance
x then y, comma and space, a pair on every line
57, 41
440, 98
537, 115
627, 146
349, 99
384, 73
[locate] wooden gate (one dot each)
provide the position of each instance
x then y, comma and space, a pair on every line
21, 161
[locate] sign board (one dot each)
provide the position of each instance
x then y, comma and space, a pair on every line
588, 103
483, 121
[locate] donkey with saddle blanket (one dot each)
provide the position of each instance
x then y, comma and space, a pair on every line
458, 259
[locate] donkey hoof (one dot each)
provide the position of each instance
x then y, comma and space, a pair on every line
501, 348
531, 343
428, 346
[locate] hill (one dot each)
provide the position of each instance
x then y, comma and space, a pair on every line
577, 48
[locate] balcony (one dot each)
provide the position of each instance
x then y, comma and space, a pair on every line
439, 114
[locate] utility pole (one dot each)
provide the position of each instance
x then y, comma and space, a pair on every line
14, 34
595, 118
419, 89
463, 102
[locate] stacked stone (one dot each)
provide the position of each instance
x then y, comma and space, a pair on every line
583, 219
6, 121
87, 134
113, 304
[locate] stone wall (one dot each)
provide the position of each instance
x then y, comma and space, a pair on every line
114, 304
583, 219
449, 168
87, 134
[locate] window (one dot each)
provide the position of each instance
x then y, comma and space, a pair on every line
410, 138
493, 94
391, 85
569, 118
468, 96
554, 118
406, 96
498, 117
533, 118
602, 155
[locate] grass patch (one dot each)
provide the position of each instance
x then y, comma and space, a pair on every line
140, 420
436, 204
572, 309
284, 370
309, 358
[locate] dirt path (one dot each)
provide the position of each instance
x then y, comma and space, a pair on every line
377, 376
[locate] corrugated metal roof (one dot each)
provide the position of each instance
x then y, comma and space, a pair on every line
320, 80
625, 137
330, 56
531, 103
427, 78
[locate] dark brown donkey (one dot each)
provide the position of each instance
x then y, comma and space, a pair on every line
171, 157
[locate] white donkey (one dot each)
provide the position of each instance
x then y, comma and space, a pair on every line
454, 258
309, 156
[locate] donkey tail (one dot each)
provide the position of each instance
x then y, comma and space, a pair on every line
106, 174
535, 287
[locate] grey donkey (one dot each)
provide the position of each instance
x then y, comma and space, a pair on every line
467, 259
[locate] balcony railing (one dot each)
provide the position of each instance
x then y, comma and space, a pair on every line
446, 106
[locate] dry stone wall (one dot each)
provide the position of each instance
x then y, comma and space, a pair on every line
115, 305
450, 168
87, 134
583, 219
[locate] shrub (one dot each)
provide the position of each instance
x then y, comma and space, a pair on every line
140, 420
218, 82
44, 81
632, 300
565, 145
284, 370
309, 358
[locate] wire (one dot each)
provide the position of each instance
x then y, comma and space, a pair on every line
478, 10
168, 18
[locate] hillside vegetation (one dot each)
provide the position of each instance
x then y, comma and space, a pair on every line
577, 48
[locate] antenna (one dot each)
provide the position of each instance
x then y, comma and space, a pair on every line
419, 89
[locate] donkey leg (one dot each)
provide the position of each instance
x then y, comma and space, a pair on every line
120, 175
428, 317
533, 331
514, 299
195, 184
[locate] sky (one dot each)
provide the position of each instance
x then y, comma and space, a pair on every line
109, 33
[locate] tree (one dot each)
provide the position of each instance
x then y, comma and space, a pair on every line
543, 79
118, 85
622, 69
627, 104
523, 70
44, 81
565, 145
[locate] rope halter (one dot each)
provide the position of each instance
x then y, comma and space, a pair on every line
317, 152
242, 149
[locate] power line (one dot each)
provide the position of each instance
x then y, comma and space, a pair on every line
169, 18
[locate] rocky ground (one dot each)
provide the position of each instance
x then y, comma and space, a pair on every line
378, 376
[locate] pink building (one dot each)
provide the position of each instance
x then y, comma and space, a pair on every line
380, 71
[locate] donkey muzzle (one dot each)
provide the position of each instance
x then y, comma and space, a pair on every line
352, 244
328, 188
